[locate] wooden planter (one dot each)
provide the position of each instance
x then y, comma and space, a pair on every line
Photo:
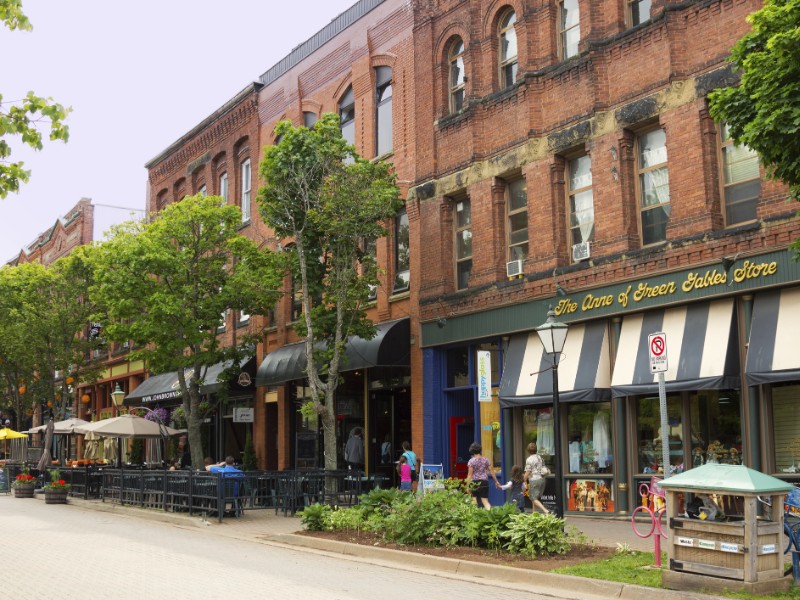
23, 491
55, 496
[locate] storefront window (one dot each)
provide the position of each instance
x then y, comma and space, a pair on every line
716, 428
649, 438
537, 426
786, 428
490, 411
457, 367
589, 448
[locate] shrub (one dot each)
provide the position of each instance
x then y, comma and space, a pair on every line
316, 517
491, 523
535, 535
345, 518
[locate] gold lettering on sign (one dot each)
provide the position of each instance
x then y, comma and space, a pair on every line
694, 281
566, 307
645, 290
751, 270
591, 302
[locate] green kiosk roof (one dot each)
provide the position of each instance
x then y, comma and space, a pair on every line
726, 478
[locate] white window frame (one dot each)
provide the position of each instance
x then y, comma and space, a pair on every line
246, 184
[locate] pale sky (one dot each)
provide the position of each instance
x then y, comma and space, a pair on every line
138, 75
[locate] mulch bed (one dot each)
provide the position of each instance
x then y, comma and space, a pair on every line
579, 553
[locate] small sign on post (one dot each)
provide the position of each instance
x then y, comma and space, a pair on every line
657, 346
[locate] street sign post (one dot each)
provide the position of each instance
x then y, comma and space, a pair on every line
657, 347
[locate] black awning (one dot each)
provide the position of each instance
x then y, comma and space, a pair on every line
390, 347
701, 350
772, 354
165, 387
584, 370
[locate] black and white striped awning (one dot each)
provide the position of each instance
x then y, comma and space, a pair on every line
701, 352
772, 354
584, 371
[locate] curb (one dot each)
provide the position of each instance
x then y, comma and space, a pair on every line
553, 584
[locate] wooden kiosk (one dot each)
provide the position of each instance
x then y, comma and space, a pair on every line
732, 552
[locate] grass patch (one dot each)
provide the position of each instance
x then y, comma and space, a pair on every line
630, 567
626, 567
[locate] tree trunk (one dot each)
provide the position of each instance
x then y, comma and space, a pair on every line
193, 423
328, 417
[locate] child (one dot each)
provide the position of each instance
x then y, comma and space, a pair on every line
517, 486
404, 469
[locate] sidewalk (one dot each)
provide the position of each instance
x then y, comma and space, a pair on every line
265, 527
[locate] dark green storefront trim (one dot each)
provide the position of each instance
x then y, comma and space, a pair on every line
748, 274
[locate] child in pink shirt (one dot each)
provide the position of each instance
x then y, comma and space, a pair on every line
405, 474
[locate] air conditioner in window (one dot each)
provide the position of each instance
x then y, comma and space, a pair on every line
126, 344
514, 268
581, 251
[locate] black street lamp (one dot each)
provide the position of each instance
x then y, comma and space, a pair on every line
553, 335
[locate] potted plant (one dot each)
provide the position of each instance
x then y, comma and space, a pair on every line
56, 491
24, 484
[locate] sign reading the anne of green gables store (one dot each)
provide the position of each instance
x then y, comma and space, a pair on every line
676, 287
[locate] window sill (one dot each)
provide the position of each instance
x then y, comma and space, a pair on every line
384, 156
244, 224
399, 295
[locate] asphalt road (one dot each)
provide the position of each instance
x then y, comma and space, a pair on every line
59, 551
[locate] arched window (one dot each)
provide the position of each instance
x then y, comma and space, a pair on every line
347, 115
383, 110
508, 49
457, 76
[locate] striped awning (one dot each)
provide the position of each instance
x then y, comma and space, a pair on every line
772, 354
584, 371
701, 351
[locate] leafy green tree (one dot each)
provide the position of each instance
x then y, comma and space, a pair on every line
329, 205
763, 112
44, 317
22, 117
165, 285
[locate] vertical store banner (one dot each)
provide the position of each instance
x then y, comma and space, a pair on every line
484, 376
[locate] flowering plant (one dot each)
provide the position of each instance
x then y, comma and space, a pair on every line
56, 483
24, 478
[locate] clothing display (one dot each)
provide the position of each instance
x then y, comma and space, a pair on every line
544, 433
601, 439
575, 457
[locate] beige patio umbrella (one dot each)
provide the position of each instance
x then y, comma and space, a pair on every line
61, 427
93, 446
128, 426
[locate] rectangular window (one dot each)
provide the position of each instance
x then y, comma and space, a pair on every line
463, 225
297, 301
653, 186
223, 188
741, 179
203, 190
638, 11
383, 110
370, 248
402, 261
581, 200
786, 428
246, 185
591, 455
649, 440
570, 33
517, 209
243, 317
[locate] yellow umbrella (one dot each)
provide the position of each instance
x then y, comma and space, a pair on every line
10, 434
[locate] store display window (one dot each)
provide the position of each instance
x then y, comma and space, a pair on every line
786, 428
649, 438
716, 427
590, 447
537, 426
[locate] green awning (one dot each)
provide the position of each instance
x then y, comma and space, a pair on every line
728, 479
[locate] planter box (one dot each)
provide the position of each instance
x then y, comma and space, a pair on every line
23, 491
55, 496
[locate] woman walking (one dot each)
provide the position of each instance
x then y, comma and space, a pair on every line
479, 471
534, 467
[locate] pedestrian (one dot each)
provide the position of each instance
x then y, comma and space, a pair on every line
479, 471
517, 486
413, 462
535, 471
354, 450
404, 470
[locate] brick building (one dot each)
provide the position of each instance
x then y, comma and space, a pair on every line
361, 67
566, 158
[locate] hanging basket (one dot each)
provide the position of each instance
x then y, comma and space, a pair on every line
23, 491
55, 496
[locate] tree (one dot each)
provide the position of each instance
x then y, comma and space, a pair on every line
22, 117
44, 342
165, 284
763, 112
330, 206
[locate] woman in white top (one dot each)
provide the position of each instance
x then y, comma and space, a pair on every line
534, 478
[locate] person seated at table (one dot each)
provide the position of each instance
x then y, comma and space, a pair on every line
226, 466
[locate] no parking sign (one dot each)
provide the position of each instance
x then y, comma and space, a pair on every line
657, 346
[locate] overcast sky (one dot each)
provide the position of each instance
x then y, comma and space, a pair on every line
138, 75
